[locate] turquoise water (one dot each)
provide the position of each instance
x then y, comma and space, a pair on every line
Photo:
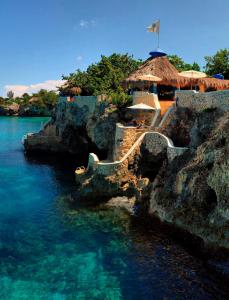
50, 251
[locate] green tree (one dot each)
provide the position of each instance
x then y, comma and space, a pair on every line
25, 98
10, 94
195, 66
2, 100
218, 63
45, 98
103, 77
180, 65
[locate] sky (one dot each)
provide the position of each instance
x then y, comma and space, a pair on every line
42, 40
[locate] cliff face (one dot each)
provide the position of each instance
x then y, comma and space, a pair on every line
29, 110
190, 191
77, 130
193, 191
9, 110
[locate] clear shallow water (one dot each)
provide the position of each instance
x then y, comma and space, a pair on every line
49, 251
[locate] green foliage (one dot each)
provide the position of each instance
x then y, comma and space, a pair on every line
45, 98
218, 63
10, 94
42, 100
103, 77
180, 65
17, 100
121, 99
25, 98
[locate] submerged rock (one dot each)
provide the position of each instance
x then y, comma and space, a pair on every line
125, 203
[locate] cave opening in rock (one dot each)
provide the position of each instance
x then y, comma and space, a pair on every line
151, 170
211, 201
78, 142
149, 165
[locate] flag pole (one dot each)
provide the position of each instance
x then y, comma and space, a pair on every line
158, 35
158, 39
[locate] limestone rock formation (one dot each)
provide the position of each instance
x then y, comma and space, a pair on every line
189, 189
193, 191
9, 110
28, 110
31, 110
76, 129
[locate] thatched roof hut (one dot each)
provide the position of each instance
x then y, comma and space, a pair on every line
214, 83
67, 90
162, 68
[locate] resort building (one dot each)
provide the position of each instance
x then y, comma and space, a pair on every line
157, 75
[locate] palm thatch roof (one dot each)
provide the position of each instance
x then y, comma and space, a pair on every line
161, 67
70, 91
214, 83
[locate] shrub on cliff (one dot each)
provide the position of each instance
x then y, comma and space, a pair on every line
103, 77
218, 63
121, 100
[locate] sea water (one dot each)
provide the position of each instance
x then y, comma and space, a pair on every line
49, 250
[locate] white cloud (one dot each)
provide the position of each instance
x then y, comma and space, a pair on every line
87, 23
84, 23
18, 90
79, 58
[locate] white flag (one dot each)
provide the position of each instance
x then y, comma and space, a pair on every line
155, 27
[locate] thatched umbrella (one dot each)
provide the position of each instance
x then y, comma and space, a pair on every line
149, 79
70, 91
141, 112
193, 74
74, 91
141, 107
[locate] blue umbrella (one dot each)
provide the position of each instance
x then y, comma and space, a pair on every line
157, 53
218, 76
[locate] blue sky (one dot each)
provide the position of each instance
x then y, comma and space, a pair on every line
43, 39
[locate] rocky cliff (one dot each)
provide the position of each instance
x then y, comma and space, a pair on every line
9, 110
77, 130
29, 110
191, 191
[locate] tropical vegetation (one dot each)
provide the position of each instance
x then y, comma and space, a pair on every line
105, 77
218, 63
40, 103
